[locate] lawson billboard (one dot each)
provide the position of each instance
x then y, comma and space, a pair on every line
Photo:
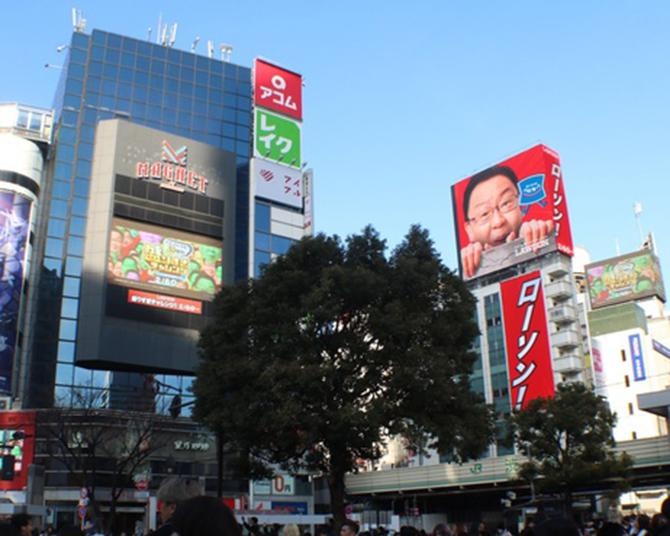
511, 212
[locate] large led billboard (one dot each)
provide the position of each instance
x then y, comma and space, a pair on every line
17, 435
626, 278
511, 212
14, 231
527, 339
277, 89
147, 257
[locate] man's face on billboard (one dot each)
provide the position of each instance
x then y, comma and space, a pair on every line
494, 216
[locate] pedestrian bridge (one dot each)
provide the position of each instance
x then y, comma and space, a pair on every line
651, 457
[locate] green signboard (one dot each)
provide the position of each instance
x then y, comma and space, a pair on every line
277, 138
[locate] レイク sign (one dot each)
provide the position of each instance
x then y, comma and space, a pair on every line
277, 89
171, 170
528, 352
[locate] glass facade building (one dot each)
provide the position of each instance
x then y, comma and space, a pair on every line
108, 76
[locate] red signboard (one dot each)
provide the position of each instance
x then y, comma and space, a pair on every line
17, 436
527, 337
277, 89
149, 299
511, 213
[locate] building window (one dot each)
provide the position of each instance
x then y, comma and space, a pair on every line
623, 355
626, 380
634, 434
630, 408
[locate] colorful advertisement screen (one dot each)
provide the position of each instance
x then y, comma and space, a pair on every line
14, 232
627, 278
527, 339
166, 261
510, 213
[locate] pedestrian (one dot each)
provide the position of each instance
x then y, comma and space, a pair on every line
24, 523
171, 493
291, 530
349, 528
441, 529
204, 516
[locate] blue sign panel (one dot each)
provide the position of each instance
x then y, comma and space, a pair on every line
636, 356
289, 507
661, 348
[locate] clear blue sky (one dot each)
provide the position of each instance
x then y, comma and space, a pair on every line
404, 98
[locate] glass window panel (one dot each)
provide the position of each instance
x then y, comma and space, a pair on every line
109, 87
229, 85
54, 247
113, 40
262, 241
68, 330
64, 374
69, 308
56, 228
97, 53
69, 117
156, 81
157, 66
65, 351
79, 206
53, 265
124, 90
58, 208
127, 59
228, 144
229, 100
83, 168
243, 133
201, 92
281, 244
110, 71
106, 101
125, 74
73, 266
137, 110
92, 99
61, 189
66, 152
122, 105
242, 148
78, 226
261, 258
82, 376
215, 82
228, 129
71, 287
112, 56
142, 63
229, 115
100, 378
75, 246
85, 151
243, 118
71, 101
77, 56
262, 217
95, 68
66, 135
243, 102
81, 187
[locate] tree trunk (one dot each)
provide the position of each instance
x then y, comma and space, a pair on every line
336, 487
219, 464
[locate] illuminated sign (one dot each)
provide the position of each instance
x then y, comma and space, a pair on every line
636, 357
172, 170
159, 301
14, 230
627, 278
277, 138
152, 258
511, 213
277, 89
17, 433
526, 333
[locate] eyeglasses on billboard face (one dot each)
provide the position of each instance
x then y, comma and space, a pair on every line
507, 204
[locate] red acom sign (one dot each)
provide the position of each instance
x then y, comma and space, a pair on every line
278, 89
528, 352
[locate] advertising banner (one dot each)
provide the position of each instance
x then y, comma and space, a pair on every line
277, 89
278, 183
277, 138
626, 278
510, 213
308, 196
527, 339
17, 434
637, 359
148, 257
160, 301
14, 231
597, 359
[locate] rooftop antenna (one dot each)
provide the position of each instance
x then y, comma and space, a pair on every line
226, 51
149, 34
210, 49
195, 43
173, 35
159, 28
78, 20
637, 209
164, 36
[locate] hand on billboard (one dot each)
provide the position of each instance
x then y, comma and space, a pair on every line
471, 255
534, 231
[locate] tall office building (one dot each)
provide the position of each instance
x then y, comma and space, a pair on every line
149, 208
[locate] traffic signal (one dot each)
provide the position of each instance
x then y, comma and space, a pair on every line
8, 467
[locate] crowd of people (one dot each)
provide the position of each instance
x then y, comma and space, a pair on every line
185, 511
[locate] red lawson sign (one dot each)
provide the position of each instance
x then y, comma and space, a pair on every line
526, 334
277, 89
